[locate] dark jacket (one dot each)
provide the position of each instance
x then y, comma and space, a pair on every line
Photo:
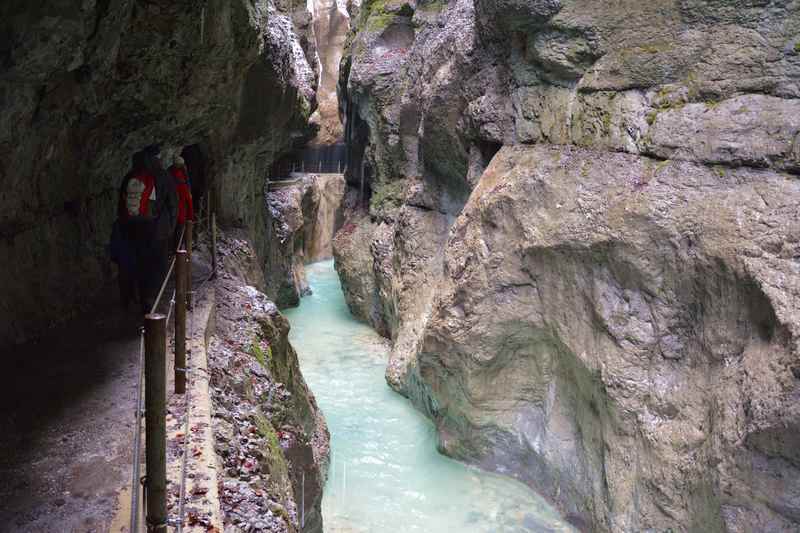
166, 200
121, 249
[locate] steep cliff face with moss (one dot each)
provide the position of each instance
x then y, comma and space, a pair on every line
84, 86
271, 442
578, 224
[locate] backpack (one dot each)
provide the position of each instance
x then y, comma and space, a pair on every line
139, 196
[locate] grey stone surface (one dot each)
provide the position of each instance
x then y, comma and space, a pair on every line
84, 86
303, 217
270, 438
626, 344
610, 316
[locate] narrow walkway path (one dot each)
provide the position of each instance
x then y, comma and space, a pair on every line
66, 419
66, 422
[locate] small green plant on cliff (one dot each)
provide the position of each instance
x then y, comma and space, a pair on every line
797, 47
378, 18
606, 123
434, 6
692, 86
660, 166
373, 9
653, 48
380, 22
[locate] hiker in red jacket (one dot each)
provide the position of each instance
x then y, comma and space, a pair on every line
183, 188
136, 212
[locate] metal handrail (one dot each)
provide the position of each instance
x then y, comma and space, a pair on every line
169, 274
137, 436
137, 441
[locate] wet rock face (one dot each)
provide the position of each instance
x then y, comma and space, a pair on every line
609, 311
621, 343
84, 87
271, 441
303, 217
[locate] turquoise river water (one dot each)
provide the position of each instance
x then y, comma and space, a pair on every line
386, 475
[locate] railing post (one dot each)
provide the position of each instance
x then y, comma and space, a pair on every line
213, 244
181, 283
155, 372
189, 244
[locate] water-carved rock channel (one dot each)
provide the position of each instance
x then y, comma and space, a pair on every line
385, 473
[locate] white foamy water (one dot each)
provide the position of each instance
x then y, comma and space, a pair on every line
386, 475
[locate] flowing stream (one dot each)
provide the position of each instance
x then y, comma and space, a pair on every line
386, 475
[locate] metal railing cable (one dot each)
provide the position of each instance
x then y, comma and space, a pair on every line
169, 274
137, 436
187, 415
137, 442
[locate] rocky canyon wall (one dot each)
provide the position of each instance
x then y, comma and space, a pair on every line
304, 214
271, 440
578, 223
83, 86
331, 26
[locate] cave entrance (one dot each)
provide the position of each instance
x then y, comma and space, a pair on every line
313, 159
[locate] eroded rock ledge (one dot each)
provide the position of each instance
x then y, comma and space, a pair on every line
270, 438
622, 334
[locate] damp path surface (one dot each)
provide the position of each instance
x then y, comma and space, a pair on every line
386, 475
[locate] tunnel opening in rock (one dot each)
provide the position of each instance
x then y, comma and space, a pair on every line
315, 158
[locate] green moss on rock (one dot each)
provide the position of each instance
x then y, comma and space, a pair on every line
264, 357
274, 460
387, 196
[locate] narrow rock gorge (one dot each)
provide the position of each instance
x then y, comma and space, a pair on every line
303, 218
578, 225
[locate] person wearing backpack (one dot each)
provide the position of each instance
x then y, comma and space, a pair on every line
166, 213
135, 217
184, 191
147, 213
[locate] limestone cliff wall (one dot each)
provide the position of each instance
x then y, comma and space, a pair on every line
304, 214
271, 440
609, 311
331, 27
82, 87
